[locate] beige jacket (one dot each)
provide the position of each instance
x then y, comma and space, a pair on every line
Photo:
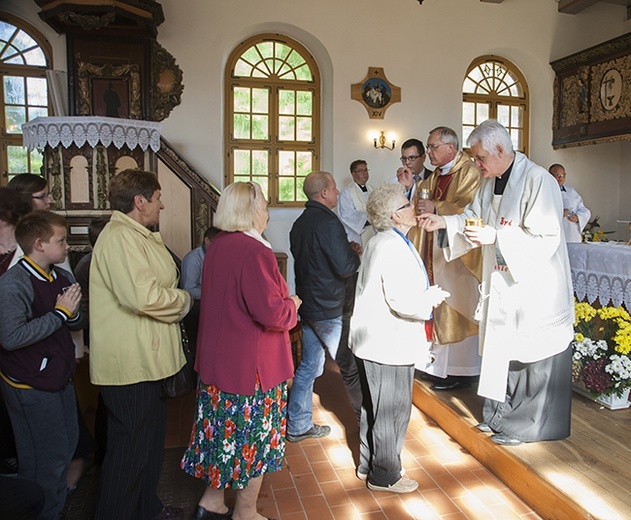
134, 306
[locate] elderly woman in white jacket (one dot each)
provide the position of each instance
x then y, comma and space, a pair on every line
392, 301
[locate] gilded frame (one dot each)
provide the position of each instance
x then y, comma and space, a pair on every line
89, 73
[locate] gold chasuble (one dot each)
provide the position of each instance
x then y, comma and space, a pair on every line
453, 320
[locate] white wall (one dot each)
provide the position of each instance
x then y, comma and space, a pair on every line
424, 49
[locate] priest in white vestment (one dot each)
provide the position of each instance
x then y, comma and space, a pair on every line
351, 204
575, 214
526, 307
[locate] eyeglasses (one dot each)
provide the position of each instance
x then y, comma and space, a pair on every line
364, 170
434, 146
404, 206
409, 158
41, 197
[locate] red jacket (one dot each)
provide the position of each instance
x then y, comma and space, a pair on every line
244, 318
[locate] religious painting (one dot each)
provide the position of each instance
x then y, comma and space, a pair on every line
109, 90
376, 93
110, 97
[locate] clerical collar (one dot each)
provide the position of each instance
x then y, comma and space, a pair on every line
445, 169
502, 180
563, 188
363, 188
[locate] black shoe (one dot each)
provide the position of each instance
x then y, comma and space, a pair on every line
9, 466
315, 432
203, 514
504, 440
451, 383
424, 376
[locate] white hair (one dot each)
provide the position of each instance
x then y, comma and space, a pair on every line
382, 203
489, 135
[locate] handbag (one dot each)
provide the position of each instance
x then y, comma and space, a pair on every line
185, 381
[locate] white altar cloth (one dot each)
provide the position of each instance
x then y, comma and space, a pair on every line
601, 271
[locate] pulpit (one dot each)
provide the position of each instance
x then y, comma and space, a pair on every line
82, 154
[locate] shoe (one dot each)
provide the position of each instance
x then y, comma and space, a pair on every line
451, 383
403, 485
483, 427
424, 376
361, 476
9, 466
315, 432
168, 513
203, 514
504, 440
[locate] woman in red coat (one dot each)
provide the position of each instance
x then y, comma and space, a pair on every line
243, 359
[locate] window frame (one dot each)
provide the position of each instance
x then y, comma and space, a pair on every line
273, 145
28, 71
494, 100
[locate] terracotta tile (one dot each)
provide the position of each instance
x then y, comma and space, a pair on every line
440, 502
293, 448
425, 482
487, 496
316, 508
315, 453
489, 479
502, 512
294, 516
349, 479
297, 464
334, 493
471, 507
345, 512
363, 500
281, 479
516, 504
395, 510
306, 485
377, 515
455, 516
418, 507
267, 508
287, 501
324, 472
463, 475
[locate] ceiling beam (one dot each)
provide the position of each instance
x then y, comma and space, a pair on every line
575, 6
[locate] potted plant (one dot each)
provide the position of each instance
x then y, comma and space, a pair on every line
601, 361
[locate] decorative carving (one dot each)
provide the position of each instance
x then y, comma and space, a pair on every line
592, 95
55, 177
88, 73
166, 82
611, 96
87, 22
101, 178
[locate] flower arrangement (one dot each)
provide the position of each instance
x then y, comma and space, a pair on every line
591, 233
601, 349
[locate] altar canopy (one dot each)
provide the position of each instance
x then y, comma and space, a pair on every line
52, 131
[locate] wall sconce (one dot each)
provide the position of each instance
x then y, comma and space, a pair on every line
382, 142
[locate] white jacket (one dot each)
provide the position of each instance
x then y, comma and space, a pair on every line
390, 303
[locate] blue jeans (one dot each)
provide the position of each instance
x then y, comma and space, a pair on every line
331, 334
315, 335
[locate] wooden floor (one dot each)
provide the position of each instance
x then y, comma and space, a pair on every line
586, 476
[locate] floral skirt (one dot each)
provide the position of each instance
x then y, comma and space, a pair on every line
236, 438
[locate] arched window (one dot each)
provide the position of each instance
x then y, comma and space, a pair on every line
24, 59
272, 117
494, 88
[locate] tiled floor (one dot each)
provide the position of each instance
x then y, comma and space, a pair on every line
319, 482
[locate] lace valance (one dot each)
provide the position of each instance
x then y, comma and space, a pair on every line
602, 271
94, 130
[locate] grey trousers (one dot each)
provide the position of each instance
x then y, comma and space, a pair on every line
385, 415
46, 433
538, 404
